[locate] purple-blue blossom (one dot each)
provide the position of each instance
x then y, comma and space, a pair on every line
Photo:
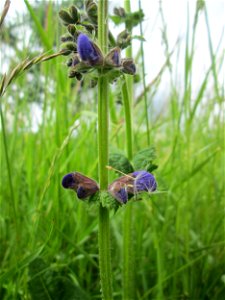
121, 195
68, 181
144, 181
86, 49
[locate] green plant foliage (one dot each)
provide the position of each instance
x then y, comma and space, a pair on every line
47, 283
143, 160
130, 19
120, 162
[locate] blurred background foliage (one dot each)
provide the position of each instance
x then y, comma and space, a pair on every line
48, 238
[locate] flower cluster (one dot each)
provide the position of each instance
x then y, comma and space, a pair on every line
85, 54
131, 184
121, 189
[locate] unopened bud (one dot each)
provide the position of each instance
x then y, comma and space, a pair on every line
92, 11
66, 38
72, 29
75, 74
65, 16
123, 39
69, 62
74, 13
120, 12
69, 46
113, 58
128, 66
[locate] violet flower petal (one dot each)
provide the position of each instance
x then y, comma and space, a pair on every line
121, 195
144, 181
68, 181
86, 49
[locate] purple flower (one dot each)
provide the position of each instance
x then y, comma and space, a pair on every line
82, 185
68, 181
113, 58
144, 181
87, 50
121, 195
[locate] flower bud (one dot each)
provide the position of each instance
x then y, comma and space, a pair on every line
144, 181
113, 58
120, 12
69, 62
128, 66
74, 13
66, 38
65, 16
69, 46
72, 29
122, 188
75, 61
88, 51
92, 11
89, 27
123, 39
82, 185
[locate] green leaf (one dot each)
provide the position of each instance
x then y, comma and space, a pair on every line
143, 160
117, 20
120, 162
138, 37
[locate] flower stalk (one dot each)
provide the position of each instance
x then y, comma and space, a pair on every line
104, 230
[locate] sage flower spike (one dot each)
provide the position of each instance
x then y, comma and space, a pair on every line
88, 51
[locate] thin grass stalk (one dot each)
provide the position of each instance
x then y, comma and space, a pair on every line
8, 165
128, 247
144, 83
104, 230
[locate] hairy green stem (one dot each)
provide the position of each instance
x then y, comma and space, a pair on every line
128, 247
128, 120
104, 230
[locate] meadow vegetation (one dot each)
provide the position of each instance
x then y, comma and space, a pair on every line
49, 238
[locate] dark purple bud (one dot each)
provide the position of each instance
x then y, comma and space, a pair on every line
81, 193
113, 58
120, 12
128, 66
87, 50
121, 195
68, 181
144, 181
75, 61
121, 188
66, 38
82, 185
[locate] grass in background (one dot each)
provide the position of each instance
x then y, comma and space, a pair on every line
49, 241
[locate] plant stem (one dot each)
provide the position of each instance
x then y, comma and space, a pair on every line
128, 248
104, 230
128, 120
